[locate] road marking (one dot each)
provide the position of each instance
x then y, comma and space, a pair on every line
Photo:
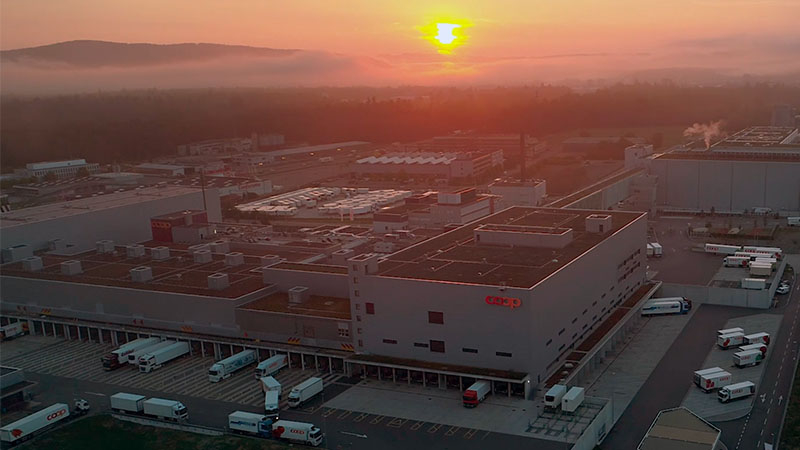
329, 412
452, 431
469, 433
486, 435
361, 417
95, 393
350, 433
344, 415
396, 423
416, 426
377, 420
434, 428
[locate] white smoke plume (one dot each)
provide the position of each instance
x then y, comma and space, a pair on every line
708, 131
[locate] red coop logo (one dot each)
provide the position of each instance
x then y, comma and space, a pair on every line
503, 301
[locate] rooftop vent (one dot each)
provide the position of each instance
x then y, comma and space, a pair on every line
269, 260
340, 257
298, 294
32, 264
524, 236
220, 247
598, 223
71, 267
234, 259
196, 247
134, 250
105, 246
142, 274
202, 256
159, 253
57, 245
218, 281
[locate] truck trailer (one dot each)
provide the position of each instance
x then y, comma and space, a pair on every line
23, 429
156, 359
270, 384
272, 401
731, 340
572, 399
760, 347
729, 331
250, 423
476, 393
721, 249
748, 358
658, 250
770, 252
13, 330
736, 391
305, 391
754, 283
664, 306
699, 374
716, 380
757, 338
758, 269
129, 403
793, 221
306, 433
118, 357
133, 357
163, 408
737, 261
553, 396
223, 369
271, 366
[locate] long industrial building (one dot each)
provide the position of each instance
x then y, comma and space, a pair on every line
755, 168
495, 298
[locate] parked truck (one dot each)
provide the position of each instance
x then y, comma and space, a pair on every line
129, 403
13, 330
250, 423
773, 263
757, 338
731, 340
223, 369
748, 358
163, 408
658, 250
649, 250
729, 331
156, 359
722, 249
118, 357
572, 399
663, 306
754, 283
770, 252
793, 221
272, 401
737, 261
23, 429
553, 396
736, 391
305, 391
699, 374
271, 366
476, 393
306, 433
760, 347
270, 384
716, 380
758, 269
133, 357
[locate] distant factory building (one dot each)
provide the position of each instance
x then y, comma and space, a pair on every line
432, 165
61, 169
518, 193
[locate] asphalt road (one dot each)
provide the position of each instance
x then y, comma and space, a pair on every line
344, 430
762, 425
668, 384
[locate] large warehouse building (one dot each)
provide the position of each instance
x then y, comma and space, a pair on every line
754, 168
494, 298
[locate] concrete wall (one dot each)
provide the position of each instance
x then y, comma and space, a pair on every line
606, 197
597, 430
312, 331
720, 296
124, 224
727, 185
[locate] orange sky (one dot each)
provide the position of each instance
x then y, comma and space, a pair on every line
370, 27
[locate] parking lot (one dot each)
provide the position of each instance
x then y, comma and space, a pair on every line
186, 376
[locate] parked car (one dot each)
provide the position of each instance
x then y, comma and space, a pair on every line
783, 289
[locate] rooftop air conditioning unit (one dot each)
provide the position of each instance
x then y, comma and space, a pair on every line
202, 256
142, 274
134, 250
159, 253
218, 281
234, 259
71, 267
298, 294
105, 246
220, 247
32, 264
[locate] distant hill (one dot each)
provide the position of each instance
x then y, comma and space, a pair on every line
94, 54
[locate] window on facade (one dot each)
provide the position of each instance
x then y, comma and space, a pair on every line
344, 330
370, 307
503, 354
436, 317
585, 311
549, 341
355, 280
360, 343
437, 346
420, 344
594, 302
359, 330
390, 341
562, 347
356, 293
469, 350
358, 318
562, 331
574, 320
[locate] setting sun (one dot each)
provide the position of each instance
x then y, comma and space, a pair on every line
445, 35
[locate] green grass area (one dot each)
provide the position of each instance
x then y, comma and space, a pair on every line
790, 437
105, 432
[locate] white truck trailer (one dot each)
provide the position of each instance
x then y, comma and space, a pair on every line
306, 433
764, 260
163, 408
476, 393
156, 359
758, 269
125, 402
736, 391
250, 423
553, 396
270, 384
699, 374
793, 221
748, 358
757, 338
658, 250
770, 252
760, 347
730, 340
304, 391
664, 306
118, 357
729, 331
737, 261
754, 283
649, 250
572, 399
716, 380
272, 401
721, 249
223, 369
25, 428
271, 366
133, 357
13, 330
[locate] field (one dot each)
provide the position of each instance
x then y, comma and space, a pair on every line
106, 432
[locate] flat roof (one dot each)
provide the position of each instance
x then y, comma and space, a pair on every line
315, 305
455, 257
680, 429
89, 204
178, 274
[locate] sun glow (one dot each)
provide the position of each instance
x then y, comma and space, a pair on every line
446, 35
